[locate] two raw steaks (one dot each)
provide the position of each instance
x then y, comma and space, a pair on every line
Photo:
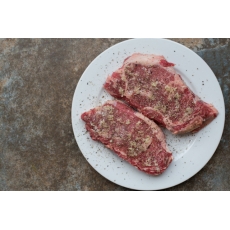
149, 84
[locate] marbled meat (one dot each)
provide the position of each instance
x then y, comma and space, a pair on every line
132, 136
150, 84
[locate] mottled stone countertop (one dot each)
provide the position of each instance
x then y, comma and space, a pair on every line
37, 146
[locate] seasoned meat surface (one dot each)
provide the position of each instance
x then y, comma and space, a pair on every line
132, 136
150, 84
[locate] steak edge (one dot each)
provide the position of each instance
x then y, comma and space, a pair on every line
132, 136
150, 84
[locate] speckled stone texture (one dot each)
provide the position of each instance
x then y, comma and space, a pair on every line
37, 146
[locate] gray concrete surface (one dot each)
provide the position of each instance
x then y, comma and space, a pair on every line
37, 146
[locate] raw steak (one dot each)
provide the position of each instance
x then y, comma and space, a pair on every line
151, 85
131, 135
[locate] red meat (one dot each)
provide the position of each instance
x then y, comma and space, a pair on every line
132, 136
151, 85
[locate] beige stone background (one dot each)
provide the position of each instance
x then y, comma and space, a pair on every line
37, 146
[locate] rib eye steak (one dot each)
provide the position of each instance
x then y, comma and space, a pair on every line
150, 84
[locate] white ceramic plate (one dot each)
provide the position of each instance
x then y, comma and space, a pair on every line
191, 152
